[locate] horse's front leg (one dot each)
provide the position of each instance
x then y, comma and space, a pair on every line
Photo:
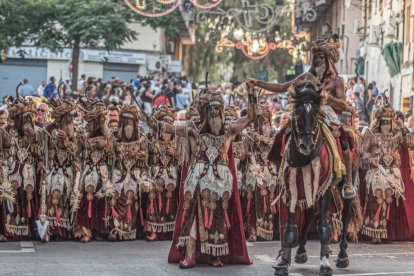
343, 260
301, 256
325, 235
290, 241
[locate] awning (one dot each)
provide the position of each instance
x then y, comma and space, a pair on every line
392, 56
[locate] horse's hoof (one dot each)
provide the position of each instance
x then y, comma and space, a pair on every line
301, 258
342, 263
325, 271
281, 270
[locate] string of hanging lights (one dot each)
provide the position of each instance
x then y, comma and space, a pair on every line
141, 6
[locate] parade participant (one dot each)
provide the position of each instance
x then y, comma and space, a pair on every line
3, 117
130, 177
113, 126
324, 76
163, 202
112, 113
41, 115
63, 167
22, 162
93, 218
261, 178
384, 214
211, 224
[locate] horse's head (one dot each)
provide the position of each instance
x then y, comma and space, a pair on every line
305, 109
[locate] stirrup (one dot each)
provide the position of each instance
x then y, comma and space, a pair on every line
348, 191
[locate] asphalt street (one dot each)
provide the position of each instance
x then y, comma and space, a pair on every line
144, 258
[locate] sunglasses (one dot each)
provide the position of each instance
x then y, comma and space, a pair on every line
41, 110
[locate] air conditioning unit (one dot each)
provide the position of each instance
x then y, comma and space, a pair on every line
358, 28
154, 64
374, 35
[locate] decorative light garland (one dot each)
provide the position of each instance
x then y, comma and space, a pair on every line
140, 5
256, 49
208, 5
143, 5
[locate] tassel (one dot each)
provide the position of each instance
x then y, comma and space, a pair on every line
129, 214
264, 204
57, 215
205, 217
141, 216
167, 209
210, 221
226, 218
29, 209
377, 214
90, 209
151, 207
114, 212
388, 212
159, 202
248, 207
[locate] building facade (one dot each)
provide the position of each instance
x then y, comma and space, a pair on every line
152, 54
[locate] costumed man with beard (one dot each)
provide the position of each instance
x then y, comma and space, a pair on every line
384, 215
96, 188
261, 178
63, 167
130, 177
22, 168
163, 202
211, 227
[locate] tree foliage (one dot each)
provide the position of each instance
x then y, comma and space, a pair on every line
232, 61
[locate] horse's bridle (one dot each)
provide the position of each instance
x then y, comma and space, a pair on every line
296, 132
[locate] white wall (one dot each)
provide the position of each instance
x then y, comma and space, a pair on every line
147, 39
54, 67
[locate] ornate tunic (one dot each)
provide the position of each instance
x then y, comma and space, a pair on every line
96, 186
260, 188
130, 178
208, 185
60, 157
384, 182
21, 162
162, 200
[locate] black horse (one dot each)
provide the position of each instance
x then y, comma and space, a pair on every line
304, 147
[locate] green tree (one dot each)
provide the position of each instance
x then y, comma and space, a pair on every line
81, 22
56, 24
21, 20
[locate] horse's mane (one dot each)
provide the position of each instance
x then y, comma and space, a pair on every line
304, 94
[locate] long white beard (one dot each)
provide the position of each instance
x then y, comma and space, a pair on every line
216, 125
128, 130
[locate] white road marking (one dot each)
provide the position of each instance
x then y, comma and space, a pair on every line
379, 273
374, 254
265, 258
25, 247
249, 244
